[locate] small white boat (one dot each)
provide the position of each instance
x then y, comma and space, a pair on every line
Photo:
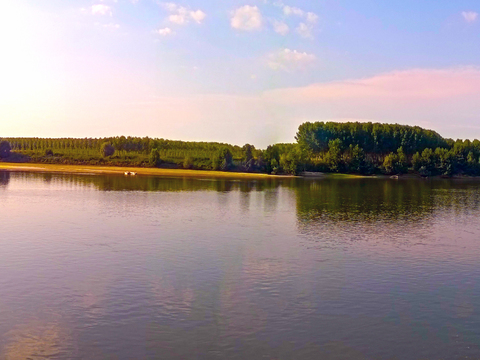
130, 173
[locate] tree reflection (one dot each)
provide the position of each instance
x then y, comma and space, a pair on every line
153, 183
379, 209
4, 178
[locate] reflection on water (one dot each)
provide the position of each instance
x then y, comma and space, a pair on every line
150, 183
114, 267
384, 210
4, 178
35, 341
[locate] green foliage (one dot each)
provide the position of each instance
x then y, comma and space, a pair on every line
416, 161
5, 149
390, 163
216, 162
154, 158
292, 162
49, 152
395, 163
275, 168
278, 156
188, 162
107, 149
226, 159
247, 152
334, 155
371, 137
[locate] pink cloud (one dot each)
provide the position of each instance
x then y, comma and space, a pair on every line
413, 85
446, 100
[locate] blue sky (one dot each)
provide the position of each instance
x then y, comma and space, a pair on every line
236, 71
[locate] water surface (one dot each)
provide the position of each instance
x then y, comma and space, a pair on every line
113, 267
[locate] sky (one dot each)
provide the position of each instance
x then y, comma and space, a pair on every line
236, 71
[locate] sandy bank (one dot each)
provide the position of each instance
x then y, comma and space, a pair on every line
85, 169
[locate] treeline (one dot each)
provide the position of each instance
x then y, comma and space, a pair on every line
371, 148
357, 148
133, 151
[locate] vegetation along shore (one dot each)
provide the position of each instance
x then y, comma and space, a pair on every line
328, 147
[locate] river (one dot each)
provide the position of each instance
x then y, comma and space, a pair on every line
114, 267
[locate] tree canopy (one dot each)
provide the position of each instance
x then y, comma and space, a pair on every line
373, 138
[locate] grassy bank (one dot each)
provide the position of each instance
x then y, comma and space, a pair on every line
85, 169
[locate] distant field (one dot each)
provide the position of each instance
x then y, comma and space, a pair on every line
85, 169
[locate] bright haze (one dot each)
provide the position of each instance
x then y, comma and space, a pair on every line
236, 71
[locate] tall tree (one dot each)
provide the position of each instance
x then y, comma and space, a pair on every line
5, 149
107, 149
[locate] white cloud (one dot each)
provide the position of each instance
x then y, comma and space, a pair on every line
101, 9
304, 30
289, 10
198, 16
309, 19
165, 31
312, 17
287, 59
470, 16
247, 18
280, 27
181, 15
178, 19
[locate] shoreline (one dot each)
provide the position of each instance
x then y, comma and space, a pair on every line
203, 174
120, 170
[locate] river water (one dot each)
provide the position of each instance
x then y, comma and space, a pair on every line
114, 267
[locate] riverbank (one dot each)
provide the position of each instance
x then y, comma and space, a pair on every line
96, 170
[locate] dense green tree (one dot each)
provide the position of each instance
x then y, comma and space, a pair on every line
226, 158
292, 162
334, 155
417, 161
188, 162
5, 149
154, 158
371, 137
355, 160
247, 152
107, 149
390, 163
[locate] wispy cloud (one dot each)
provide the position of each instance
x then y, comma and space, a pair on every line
304, 30
112, 26
290, 10
288, 60
470, 16
246, 18
101, 9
